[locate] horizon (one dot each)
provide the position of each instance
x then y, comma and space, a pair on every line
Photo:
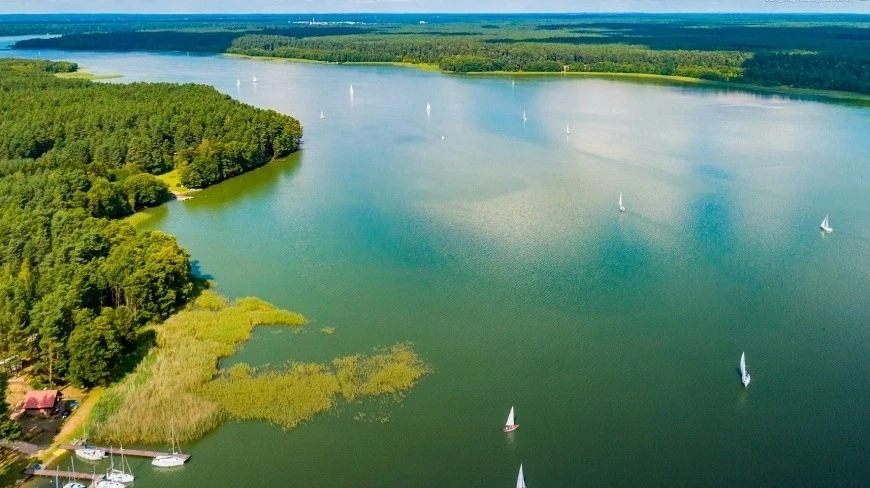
431, 7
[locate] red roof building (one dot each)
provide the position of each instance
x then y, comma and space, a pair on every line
41, 399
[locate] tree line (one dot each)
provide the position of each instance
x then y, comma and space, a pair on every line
76, 284
822, 52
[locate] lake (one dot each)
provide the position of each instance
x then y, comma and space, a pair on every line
497, 248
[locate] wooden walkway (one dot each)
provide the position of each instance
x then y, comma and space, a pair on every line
56, 473
127, 452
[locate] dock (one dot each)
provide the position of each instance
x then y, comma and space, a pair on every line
64, 475
128, 452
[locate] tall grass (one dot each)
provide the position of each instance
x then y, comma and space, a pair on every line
299, 392
178, 382
166, 387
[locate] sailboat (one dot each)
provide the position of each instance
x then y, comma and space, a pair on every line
826, 226
428, 107
90, 453
123, 475
238, 83
351, 89
321, 115
254, 80
109, 484
510, 425
72, 483
621, 208
744, 374
171, 460
521, 481
524, 116
568, 129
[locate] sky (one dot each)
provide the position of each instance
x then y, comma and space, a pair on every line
423, 6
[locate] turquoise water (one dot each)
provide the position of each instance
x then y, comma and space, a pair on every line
500, 253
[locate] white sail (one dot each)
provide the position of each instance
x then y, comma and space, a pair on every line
510, 419
321, 115
620, 199
521, 481
428, 107
254, 80
743, 364
351, 89
524, 116
238, 82
568, 129
826, 226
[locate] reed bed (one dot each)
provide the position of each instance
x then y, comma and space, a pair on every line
298, 392
178, 386
165, 389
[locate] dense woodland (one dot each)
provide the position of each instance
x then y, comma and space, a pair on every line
823, 52
77, 285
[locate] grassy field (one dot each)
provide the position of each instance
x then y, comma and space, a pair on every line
173, 180
83, 74
178, 383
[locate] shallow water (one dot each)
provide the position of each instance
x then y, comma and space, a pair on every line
499, 251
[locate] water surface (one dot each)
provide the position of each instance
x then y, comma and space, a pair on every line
499, 251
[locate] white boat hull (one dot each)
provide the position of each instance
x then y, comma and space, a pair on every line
74, 485
91, 454
746, 380
167, 462
120, 477
511, 428
827, 230
110, 484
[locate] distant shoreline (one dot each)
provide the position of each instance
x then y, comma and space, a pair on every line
828, 95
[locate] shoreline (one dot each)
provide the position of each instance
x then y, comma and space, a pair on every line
805, 93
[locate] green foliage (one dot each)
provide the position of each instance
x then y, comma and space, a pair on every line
96, 346
118, 131
144, 190
9, 429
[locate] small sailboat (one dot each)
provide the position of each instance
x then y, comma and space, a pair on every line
513, 82
621, 208
826, 226
521, 480
428, 107
351, 89
254, 80
568, 129
173, 459
744, 374
321, 115
443, 137
510, 425
238, 83
123, 475
109, 484
90, 453
524, 116
71, 482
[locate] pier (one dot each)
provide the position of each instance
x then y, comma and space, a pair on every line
64, 475
128, 452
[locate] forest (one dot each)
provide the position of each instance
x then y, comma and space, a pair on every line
829, 52
76, 284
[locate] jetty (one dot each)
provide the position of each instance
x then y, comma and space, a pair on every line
128, 452
61, 474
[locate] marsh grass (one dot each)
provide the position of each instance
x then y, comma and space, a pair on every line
293, 395
178, 382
